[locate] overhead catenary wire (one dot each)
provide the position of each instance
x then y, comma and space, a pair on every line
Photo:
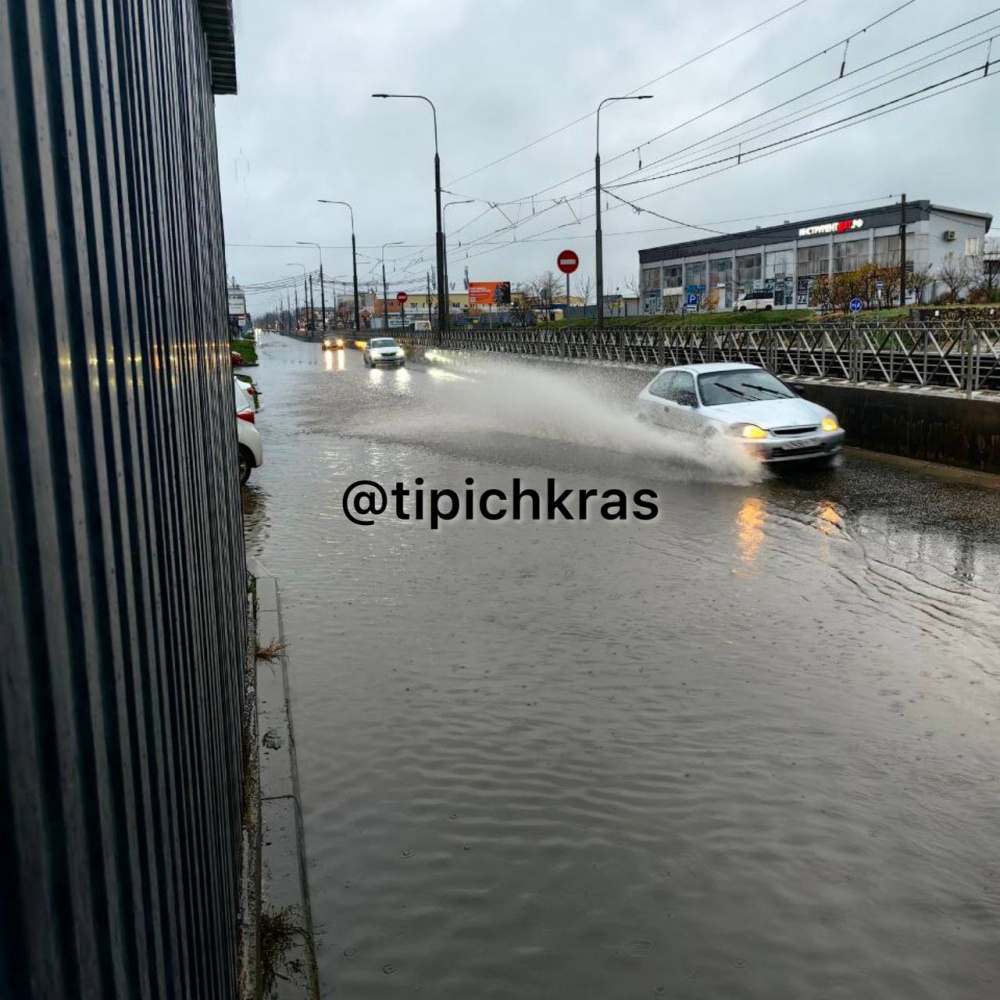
745, 153
790, 142
663, 76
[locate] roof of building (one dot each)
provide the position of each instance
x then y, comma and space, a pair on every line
217, 23
879, 216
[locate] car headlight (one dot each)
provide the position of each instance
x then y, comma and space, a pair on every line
749, 432
830, 424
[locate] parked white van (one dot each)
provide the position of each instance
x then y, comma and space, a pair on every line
759, 299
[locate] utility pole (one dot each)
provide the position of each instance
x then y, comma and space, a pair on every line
296, 324
322, 295
385, 300
312, 305
598, 234
902, 252
428, 295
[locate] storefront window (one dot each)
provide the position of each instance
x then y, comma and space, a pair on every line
651, 279
849, 255
720, 282
673, 276
887, 250
814, 260
748, 272
694, 277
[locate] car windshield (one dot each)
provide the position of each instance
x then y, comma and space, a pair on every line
383, 342
744, 385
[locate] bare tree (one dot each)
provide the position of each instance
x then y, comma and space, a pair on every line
544, 288
632, 285
585, 289
523, 303
955, 274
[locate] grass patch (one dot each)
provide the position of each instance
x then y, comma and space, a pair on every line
247, 350
280, 931
270, 652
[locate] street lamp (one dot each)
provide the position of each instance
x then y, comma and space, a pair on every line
305, 296
322, 293
444, 214
385, 292
354, 258
598, 237
442, 309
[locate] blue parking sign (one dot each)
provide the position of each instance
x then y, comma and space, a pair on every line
855, 305
692, 298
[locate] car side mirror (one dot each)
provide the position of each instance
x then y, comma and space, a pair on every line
797, 389
688, 400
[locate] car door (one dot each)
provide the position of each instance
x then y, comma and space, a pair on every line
658, 405
683, 410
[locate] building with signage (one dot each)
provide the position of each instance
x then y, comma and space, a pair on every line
780, 263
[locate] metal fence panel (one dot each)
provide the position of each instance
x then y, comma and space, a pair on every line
122, 581
953, 354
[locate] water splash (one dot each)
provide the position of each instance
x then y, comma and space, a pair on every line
484, 397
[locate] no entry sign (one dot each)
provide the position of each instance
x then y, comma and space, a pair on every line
401, 297
568, 261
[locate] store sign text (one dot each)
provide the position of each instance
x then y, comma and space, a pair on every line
844, 226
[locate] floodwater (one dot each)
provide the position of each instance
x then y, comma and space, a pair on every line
749, 749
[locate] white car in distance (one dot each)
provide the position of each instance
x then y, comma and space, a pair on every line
384, 352
748, 405
250, 447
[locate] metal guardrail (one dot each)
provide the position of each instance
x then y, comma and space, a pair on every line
963, 356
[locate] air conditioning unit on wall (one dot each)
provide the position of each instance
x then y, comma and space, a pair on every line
949, 235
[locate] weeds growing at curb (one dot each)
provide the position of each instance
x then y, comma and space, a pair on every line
279, 933
271, 651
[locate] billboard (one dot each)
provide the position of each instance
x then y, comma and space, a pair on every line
237, 302
484, 293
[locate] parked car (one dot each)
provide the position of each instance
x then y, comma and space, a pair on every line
236, 357
331, 343
759, 299
251, 448
253, 391
747, 404
384, 352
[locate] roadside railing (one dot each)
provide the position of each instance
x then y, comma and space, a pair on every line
956, 355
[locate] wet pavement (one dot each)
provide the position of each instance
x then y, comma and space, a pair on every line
749, 749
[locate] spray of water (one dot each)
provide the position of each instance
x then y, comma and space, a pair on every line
487, 396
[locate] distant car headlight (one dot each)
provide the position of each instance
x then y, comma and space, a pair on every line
830, 424
749, 432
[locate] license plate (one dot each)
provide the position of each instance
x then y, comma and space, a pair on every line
800, 443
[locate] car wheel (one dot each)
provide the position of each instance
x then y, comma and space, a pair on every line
245, 464
767, 308
743, 309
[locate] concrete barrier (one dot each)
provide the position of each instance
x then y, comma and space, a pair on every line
917, 423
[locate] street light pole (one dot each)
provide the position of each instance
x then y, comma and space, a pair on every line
598, 235
444, 241
442, 306
385, 292
354, 259
322, 293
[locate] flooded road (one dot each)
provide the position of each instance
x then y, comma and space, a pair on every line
749, 749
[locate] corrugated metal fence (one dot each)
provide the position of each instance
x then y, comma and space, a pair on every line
122, 579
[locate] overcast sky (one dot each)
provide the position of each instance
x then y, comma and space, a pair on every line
504, 74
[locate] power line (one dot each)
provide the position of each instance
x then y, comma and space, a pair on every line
676, 69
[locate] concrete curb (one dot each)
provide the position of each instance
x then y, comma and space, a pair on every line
249, 942
284, 887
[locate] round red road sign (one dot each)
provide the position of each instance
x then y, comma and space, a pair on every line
568, 261
401, 297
